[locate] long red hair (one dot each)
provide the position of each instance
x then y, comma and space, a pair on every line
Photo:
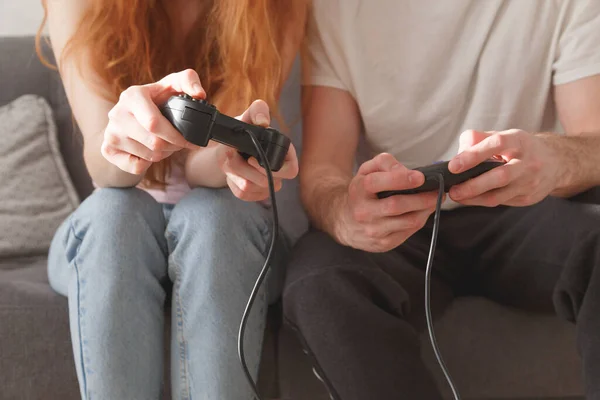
235, 47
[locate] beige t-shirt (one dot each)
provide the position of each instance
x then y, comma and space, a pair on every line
423, 71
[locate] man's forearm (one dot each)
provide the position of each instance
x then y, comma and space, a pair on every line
324, 192
578, 161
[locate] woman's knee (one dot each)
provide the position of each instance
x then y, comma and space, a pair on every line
217, 217
110, 233
218, 244
120, 208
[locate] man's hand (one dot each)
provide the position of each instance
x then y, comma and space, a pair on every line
378, 225
532, 170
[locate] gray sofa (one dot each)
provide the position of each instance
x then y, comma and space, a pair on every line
492, 351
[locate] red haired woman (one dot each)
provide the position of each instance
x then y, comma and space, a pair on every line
166, 211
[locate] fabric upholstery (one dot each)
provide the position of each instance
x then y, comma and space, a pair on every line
36, 190
21, 72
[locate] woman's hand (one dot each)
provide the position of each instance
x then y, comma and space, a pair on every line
247, 179
137, 134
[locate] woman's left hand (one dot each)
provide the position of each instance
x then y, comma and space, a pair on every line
247, 179
530, 174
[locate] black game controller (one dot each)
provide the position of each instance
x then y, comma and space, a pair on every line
432, 172
198, 122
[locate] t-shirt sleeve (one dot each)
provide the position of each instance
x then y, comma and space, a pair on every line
323, 57
578, 45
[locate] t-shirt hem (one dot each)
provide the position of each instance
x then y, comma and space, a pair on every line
576, 74
324, 81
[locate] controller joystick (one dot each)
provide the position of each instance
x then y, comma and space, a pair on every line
433, 171
199, 121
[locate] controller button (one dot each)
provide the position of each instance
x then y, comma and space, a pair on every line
186, 96
201, 101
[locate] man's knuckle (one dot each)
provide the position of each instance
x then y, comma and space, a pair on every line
367, 183
498, 141
503, 176
359, 214
411, 221
388, 206
491, 200
385, 244
371, 231
535, 166
468, 134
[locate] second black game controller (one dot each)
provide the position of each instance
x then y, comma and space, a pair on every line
433, 171
199, 121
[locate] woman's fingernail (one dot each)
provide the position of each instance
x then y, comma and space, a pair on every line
197, 88
261, 119
396, 166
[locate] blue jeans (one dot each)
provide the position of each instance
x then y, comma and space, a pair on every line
115, 256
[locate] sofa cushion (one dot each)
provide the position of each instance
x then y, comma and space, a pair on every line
22, 73
36, 354
36, 194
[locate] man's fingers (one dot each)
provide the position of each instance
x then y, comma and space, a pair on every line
397, 178
496, 144
491, 180
410, 222
398, 205
381, 162
470, 138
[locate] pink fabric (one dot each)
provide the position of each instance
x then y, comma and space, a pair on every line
176, 188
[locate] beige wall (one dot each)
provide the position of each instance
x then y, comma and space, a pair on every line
20, 17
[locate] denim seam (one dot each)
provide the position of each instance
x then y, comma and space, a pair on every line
79, 317
182, 347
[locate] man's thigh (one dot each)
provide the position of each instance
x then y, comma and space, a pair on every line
523, 256
394, 280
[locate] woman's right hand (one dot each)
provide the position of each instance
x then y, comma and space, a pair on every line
137, 134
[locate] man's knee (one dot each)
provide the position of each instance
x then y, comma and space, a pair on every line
320, 278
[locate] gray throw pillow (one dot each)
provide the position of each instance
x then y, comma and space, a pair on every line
36, 193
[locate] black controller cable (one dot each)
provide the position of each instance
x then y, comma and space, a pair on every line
265, 268
432, 338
